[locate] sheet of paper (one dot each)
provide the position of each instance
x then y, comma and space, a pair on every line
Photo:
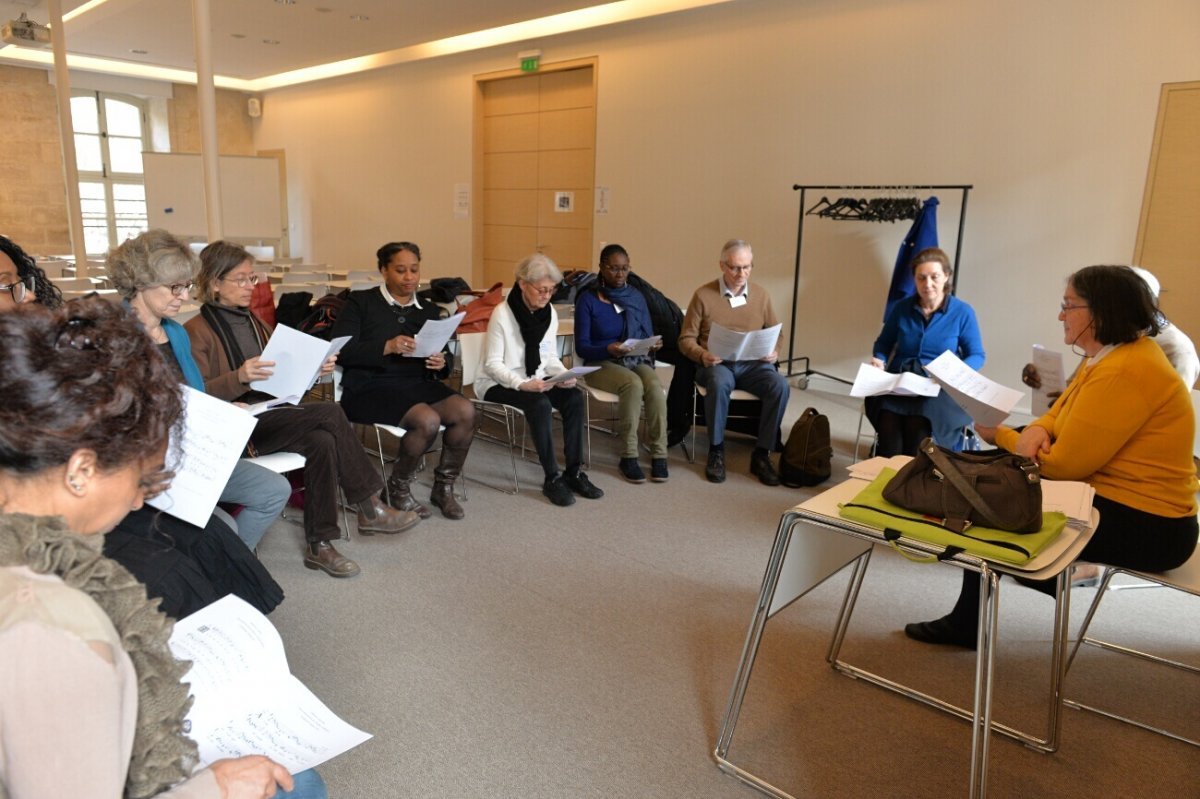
871, 381
266, 405
433, 335
213, 436
246, 700
640, 346
871, 467
985, 401
1070, 497
730, 345
298, 358
1049, 365
576, 371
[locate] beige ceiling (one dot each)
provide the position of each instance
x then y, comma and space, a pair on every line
308, 32
261, 43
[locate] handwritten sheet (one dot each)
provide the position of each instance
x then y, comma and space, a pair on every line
730, 345
298, 358
985, 401
246, 700
433, 335
871, 381
640, 346
570, 374
213, 436
1049, 365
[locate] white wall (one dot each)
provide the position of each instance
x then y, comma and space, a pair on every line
707, 118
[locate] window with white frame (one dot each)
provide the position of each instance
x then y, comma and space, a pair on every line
110, 135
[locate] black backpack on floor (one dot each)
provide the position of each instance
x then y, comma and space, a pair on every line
808, 454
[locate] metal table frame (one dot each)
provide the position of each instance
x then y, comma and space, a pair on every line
819, 513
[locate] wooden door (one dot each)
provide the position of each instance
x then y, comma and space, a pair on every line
535, 157
1168, 241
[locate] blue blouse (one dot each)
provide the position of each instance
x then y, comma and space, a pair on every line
906, 337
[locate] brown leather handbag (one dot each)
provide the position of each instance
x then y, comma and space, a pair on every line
993, 488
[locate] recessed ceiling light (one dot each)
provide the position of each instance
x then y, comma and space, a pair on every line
322, 10
238, 35
359, 17
139, 52
270, 41
286, 2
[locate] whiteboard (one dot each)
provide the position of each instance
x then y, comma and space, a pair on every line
250, 207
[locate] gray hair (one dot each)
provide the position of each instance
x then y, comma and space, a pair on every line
155, 258
533, 268
732, 246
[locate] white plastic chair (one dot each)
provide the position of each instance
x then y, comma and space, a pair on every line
284, 462
738, 395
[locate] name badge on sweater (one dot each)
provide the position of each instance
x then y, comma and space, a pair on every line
618, 308
738, 301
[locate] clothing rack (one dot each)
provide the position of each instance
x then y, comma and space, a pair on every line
804, 189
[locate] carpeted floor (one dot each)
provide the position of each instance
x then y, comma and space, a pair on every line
535, 651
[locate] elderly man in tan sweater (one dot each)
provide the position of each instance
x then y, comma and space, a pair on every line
729, 302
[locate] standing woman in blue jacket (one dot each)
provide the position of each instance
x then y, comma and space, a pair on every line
917, 331
609, 313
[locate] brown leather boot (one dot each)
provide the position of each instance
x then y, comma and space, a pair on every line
447, 471
399, 485
322, 555
376, 517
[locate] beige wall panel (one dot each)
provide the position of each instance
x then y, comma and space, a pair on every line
511, 207
566, 169
1170, 235
511, 133
580, 217
510, 171
508, 242
570, 88
510, 96
496, 271
570, 129
570, 248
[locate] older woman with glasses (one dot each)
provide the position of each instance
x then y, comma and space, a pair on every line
520, 356
92, 702
1124, 425
227, 341
22, 280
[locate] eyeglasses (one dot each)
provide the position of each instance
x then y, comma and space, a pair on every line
737, 270
243, 281
542, 291
179, 289
20, 289
1064, 307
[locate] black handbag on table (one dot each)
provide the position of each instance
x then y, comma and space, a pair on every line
992, 488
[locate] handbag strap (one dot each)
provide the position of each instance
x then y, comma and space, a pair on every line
951, 473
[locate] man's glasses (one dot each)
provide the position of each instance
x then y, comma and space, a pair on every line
20, 289
737, 270
243, 281
179, 289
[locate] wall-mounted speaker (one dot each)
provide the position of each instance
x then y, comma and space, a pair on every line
254, 107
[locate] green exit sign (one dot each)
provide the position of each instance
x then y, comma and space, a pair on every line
529, 64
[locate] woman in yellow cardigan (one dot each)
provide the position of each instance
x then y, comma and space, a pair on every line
1124, 425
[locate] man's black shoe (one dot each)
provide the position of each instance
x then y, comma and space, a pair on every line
715, 470
557, 492
581, 485
760, 467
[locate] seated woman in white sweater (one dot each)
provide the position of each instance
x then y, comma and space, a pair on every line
520, 354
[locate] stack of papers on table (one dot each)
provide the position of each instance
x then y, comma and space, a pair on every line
1070, 497
871, 467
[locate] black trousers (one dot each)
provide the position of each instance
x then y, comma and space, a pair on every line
1126, 537
334, 457
538, 409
